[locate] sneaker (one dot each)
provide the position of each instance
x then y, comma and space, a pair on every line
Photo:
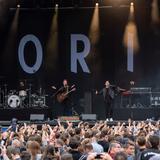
107, 119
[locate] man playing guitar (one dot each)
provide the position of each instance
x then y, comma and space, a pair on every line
63, 97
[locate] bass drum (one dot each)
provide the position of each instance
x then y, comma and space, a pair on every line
14, 101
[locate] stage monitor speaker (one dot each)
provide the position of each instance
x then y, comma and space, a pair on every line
36, 117
88, 116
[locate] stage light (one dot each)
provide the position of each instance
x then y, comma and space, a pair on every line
94, 31
18, 5
97, 4
155, 12
94, 35
52, 43
130, 39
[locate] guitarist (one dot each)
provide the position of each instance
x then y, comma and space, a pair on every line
63, 97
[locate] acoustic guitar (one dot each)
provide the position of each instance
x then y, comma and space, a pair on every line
62, 96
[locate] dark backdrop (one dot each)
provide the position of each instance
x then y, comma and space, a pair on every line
108, 63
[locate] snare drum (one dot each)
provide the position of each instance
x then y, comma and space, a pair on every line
13, 101
22, 93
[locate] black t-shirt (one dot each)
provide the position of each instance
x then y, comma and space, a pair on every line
148, 153
104, 144
75, 154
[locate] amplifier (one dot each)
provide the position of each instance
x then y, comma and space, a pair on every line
88, 116
155, 99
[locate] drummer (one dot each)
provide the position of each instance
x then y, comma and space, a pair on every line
22, 89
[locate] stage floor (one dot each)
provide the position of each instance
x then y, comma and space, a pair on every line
119, 113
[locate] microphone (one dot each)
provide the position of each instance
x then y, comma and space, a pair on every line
112, 85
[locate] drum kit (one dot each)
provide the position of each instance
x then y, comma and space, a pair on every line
24, 98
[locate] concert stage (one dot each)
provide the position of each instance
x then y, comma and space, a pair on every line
23, 114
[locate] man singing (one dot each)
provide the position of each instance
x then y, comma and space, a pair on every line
108, 95
63, 97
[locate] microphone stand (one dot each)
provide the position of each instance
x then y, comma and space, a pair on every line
30, 105
5, 96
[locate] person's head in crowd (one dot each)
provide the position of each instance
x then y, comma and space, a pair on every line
103, 141
88, 148
59, 146
65, 138
25, 155
95, 137
71, 132
153, 142
66, 156
59, 143
57, 135
5, 135
142, 133
88, 134
77, 137
16, 143
8, 151
74, 143
141, 142
126, 132
86, 125
105, 131
103, 137
84, 142
14, 122
86, 145
49, 152
77, 131
114, 148
22, 148
129, 148
34, 148
36, 138
15, 153
120, 156
111, 138
95, 132
123, 141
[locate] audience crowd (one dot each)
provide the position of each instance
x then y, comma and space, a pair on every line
130, 141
